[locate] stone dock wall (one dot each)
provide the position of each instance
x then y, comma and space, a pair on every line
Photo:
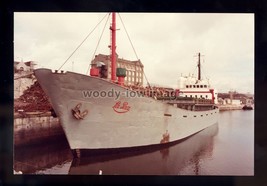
35, 127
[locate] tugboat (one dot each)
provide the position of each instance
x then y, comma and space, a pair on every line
248, 105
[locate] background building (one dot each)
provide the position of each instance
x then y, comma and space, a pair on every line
134, 69
23, 66
23, 77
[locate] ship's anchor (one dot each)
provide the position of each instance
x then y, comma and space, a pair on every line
76, 112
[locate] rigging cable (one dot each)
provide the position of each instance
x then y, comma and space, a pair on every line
203, 69
128, 36
81, 43
133, 49
98, 43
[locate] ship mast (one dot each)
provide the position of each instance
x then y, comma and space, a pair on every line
198, 65
113, 47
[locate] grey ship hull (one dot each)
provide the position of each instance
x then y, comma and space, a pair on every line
143, 120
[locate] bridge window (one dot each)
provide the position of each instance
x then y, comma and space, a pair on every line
197, 86
205, 86
194, 86
201, 86
186, 86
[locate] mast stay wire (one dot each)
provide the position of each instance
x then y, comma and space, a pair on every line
128, 36
98, 43
204, 72
82, 42
133, 49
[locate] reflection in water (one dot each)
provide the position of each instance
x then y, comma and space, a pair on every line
43, 158
167, 161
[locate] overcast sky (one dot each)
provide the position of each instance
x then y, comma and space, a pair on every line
166, 43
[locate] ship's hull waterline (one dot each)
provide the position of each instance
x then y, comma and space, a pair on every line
116, 117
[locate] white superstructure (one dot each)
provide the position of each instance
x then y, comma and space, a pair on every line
190, 86
196, 87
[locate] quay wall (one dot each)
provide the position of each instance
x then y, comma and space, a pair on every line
230, 107
35, 128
